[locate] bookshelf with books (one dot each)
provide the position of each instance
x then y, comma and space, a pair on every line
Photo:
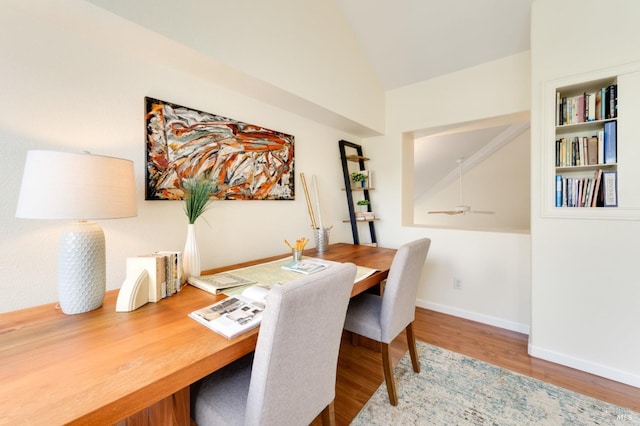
591, 147
585, 144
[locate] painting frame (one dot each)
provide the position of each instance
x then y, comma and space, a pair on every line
243, 161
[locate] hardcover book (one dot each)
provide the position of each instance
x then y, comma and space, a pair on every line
610, 155
610, 188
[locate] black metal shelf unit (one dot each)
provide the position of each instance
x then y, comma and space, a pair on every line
360, 159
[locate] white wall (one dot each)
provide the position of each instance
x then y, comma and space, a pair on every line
493, 266
585, 289
73, 77
304, 47
499, 184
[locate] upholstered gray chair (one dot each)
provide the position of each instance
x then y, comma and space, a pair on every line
291, 377
382, 318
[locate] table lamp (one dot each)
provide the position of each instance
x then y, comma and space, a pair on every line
78, 186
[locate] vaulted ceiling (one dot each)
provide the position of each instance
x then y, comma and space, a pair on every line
408, 41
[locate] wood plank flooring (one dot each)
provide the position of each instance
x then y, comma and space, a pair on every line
360, 369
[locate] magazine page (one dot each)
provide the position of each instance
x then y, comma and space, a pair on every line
306, 266
234, 315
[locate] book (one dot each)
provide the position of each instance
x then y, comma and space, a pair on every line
612, 101
305, 266
610, 155
590, 106
174, 274
596, 188
592, 150
234, 315
610, 188
558, 191
600, 146
217, 283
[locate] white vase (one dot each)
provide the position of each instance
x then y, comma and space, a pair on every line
191, 255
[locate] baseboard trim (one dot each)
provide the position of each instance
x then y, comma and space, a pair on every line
474, 316
587, 366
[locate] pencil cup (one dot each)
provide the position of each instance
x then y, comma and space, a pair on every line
322, 238
297, 254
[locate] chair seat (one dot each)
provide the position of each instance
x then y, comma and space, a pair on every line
382, 318
221, 398
363, 316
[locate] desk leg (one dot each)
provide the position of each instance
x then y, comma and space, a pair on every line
172, 410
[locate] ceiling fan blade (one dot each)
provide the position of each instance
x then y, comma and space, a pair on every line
449, 212
482, 212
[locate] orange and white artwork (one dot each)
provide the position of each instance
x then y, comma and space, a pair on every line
243, 161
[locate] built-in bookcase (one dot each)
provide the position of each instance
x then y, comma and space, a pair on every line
586, 145
592, 146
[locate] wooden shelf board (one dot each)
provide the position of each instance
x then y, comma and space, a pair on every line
356, 158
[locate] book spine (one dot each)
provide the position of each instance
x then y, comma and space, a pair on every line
596, 188
610, 188
610, 155
558, 109
591, 107
581, 113
558, 191
592, 150
612, 101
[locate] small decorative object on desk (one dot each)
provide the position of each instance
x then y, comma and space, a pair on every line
236, 314
296, 250
197, 196
322, 238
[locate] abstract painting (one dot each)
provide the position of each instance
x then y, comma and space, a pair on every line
243, 161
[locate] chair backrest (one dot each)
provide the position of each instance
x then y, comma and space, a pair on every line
399, 299
294, 369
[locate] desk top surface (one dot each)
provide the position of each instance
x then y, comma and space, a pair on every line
102, 366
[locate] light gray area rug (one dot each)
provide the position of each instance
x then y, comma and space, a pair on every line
453, 389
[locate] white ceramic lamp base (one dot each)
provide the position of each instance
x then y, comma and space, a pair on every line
81, 268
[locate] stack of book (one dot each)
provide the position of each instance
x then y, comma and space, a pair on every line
365, 216
164, 269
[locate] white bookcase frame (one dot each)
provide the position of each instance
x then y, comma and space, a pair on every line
627, 78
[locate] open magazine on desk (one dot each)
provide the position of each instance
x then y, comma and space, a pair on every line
234, 315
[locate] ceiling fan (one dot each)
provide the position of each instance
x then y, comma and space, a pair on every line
460, 209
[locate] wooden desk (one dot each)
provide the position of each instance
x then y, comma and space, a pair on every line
101, 366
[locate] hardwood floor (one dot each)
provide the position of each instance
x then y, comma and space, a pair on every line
360, 369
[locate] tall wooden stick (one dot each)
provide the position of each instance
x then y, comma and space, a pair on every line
316, 192
306, 194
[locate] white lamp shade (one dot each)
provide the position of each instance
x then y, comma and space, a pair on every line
62, 185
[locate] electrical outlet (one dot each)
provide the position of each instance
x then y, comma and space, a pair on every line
457, 283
